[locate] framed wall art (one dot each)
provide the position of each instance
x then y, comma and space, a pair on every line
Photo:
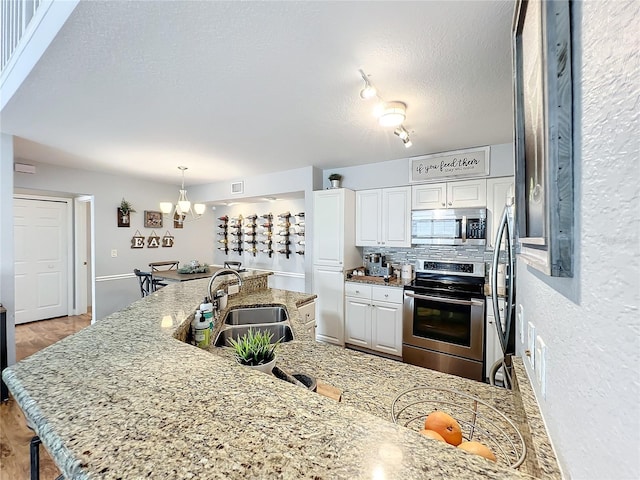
152, 219
472, 162
543, 135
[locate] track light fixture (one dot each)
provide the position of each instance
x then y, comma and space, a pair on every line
389, 114
369, 91
404, 136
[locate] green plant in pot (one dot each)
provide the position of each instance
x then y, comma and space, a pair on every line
125, 210
335, 179
255, 349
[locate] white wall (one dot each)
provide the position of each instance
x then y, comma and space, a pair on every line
7, 287
395, 173
112, 294
590, 323
302, 181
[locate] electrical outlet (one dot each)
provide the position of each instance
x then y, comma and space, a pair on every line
520, 317
531, 344
541, 364
231, 289
114, 253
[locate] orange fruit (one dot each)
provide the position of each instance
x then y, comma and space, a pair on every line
432, 434
445, 425
478, 448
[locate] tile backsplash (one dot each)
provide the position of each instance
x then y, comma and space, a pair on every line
400, 256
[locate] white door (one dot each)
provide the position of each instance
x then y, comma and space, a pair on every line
368, 218
396, 214
41, 259
357, 318
386, 328
328, 227
328, 284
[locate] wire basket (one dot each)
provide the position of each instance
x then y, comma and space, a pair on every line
479, 421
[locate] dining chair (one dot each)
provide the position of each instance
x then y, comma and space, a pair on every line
148, 284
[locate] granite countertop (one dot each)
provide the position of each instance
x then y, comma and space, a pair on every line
394, 281
125, 398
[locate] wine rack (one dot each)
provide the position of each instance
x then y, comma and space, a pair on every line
267, 232
284, 225
223, 234
235, 230
250, 234
299, 233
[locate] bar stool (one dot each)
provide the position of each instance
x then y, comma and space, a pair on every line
147, 283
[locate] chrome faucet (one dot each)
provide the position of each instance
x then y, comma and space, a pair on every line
224, 271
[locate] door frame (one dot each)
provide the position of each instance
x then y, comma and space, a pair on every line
70, 253
82, 205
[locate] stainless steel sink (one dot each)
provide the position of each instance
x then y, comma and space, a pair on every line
280, 331
253, 316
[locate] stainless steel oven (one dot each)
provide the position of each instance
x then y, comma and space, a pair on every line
443, 318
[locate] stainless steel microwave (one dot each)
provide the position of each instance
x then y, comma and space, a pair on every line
451, 226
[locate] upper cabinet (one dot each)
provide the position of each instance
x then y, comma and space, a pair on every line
383, 217
497, 191
463, 194
333, 235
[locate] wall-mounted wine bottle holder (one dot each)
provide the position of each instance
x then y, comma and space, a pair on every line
284, 224
299, 232
223, 227
235, 232
250, 234
267, 232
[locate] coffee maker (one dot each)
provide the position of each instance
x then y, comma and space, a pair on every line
375, 265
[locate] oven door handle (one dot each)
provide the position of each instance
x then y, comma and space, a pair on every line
473, 301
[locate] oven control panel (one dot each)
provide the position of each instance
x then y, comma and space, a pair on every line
444, 267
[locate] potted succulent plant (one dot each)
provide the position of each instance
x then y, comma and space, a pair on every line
335, 178
124, 211
255, 350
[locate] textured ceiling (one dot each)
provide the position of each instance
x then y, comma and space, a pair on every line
234, 89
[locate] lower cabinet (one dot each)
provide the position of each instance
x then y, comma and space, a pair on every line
493, 350
373, 317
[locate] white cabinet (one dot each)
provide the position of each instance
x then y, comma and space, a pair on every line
463, 194
383, 217
328, 283
497, 191
333, 228
493, 350
307, 314
373, 317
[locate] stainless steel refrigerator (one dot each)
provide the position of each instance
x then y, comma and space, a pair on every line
502, 280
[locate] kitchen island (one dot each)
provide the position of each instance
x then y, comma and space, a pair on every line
127, 398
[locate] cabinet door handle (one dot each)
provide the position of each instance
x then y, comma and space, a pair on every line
450, 203
443, 204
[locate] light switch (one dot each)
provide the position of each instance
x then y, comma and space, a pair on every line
114, 253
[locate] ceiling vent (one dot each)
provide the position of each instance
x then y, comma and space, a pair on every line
237, 187
24, 168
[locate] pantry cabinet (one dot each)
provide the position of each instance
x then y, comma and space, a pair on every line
383, 217
493, 350
373, 317
462, 194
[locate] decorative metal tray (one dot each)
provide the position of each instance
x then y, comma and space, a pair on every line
479, 421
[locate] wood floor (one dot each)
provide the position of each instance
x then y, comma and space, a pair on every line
14, 434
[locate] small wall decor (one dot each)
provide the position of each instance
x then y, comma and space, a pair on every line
472, 162
152, 219
137, 241
153, 241
178, 220
124, 213
167, 240
543, 135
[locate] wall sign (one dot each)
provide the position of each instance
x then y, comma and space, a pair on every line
137, 241
473, 162
153, 241
167, 240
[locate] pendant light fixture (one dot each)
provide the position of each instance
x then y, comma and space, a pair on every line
182, 208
